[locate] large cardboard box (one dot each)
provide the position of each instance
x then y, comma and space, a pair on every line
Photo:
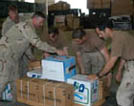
58, 68
86, 92
122, 7
37, 92
59, 6
59, 21
34, 65
36, 73
73, 22
94, 4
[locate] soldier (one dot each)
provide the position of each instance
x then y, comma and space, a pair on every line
122, 48
14, 44
91, 52
55, 39
12, 19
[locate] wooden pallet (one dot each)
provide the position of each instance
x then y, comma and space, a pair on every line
99, 103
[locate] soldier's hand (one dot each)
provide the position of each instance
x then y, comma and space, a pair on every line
92, 77
60, 52
45, 55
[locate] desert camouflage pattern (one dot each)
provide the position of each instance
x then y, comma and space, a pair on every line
125, 93
24, 61
13, 45
8, 23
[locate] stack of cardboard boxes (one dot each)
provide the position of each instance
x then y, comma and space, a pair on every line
97, 4
59, 21
70, 90
69, 21
38, 92
122, 7
59, 6
73, 22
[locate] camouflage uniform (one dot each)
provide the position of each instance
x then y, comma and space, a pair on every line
123, 47
92, 59
126, 90
23, 66
8, 23
15, 42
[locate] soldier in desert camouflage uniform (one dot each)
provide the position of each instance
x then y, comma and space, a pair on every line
12, 19
14, 44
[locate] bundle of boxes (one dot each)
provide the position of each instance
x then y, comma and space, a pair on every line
59, 72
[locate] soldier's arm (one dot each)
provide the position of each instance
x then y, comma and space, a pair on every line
79, 61
120, 69
31, 36
29, 54
4, 29
105, 53
109, 65
66, 50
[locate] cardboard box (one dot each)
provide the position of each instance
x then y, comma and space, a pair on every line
34, 65
36, 73
86, 92
37, 92
76, 23
73, 22
122, 7
58, 68
59, 21
97, 103
59, 6
94, 4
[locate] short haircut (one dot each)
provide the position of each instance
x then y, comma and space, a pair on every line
39, 14
12, 8
53, 30
78, 33
105, 24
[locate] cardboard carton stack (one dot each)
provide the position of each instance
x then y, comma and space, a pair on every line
36, 92
59, 6
73, 22
76, 23
122, 7
59, 21
97, 4
69, 18
39, 92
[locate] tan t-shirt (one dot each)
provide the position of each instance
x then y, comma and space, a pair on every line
59, 43
123, 45
92, 44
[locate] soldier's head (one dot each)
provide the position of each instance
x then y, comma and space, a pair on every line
104, 30
79, 36
53, 33
13, 13
38, 19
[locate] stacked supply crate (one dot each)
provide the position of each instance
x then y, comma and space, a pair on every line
38, 92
